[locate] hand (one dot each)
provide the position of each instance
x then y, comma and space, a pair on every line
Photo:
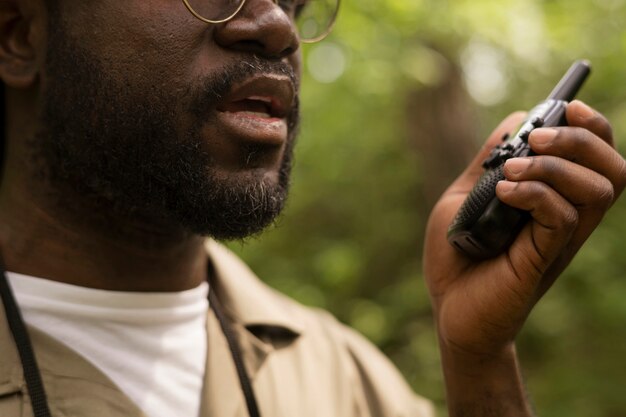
577, 175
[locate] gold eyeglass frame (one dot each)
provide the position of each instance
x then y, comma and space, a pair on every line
226, 19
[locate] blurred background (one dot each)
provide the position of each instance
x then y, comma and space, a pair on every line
395, 103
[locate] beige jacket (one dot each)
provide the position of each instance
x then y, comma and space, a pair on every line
302, 362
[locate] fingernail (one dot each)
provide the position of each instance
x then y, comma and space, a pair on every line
517, 165
584, 111
543, 136
506, 186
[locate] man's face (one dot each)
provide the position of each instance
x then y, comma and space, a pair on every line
152, 115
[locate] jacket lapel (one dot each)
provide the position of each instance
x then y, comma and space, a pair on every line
221, 393
11, 374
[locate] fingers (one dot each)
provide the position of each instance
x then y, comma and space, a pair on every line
584, 148
585, 191
580, 115
541, 242
588, 192
567, 188
579, 185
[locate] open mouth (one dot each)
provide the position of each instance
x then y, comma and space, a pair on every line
256, 106
266, 97
256, 110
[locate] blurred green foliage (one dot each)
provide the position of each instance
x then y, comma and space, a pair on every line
351, 237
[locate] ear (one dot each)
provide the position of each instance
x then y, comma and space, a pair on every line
21, 38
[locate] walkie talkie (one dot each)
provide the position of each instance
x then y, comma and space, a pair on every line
484, 226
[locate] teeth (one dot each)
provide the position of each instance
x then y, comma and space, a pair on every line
255, 106
260, 98
258, 106
257, 114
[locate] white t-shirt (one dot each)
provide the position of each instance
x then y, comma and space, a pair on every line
152, 345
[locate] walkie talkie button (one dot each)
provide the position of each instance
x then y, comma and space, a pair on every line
493, 160
537, 121
524, 135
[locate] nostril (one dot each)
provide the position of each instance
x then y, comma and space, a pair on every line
288, 51
261, 28
260, 48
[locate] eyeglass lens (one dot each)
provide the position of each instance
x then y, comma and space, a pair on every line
215, 10
314, 18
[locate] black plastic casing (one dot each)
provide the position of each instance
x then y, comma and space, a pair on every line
484, 226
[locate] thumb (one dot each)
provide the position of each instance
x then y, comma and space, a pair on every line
475, 169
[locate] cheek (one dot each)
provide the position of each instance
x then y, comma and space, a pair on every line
143, 40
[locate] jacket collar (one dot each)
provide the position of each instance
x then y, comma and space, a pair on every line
263, 320
246, 299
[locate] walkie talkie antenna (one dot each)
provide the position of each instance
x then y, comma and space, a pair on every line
571, 82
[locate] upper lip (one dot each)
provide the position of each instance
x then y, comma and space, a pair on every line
276, 92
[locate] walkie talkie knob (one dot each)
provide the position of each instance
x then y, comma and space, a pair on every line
537, 121
524, 135
494, 159
498, 155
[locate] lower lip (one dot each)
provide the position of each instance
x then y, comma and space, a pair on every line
253, 127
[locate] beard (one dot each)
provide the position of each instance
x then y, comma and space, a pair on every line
117, 147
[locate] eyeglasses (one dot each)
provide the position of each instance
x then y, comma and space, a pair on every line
314, 18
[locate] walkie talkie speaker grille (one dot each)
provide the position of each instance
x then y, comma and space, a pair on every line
478, 198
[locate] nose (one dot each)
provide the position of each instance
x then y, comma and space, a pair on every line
260, 27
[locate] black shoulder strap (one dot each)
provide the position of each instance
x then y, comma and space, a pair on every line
231, 338
32, 376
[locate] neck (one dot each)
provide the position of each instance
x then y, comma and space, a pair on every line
41, 239
55, 234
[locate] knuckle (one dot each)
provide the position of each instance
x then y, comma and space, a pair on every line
579, 138
605, 195
534, 190
603, 127
621, 176
538, 194
569, 218
607, 130
550, 166
568, 143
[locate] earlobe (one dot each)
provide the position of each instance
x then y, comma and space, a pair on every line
19, 65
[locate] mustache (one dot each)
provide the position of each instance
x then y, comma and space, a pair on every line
208, 92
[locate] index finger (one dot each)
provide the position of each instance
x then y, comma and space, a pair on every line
579, 114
